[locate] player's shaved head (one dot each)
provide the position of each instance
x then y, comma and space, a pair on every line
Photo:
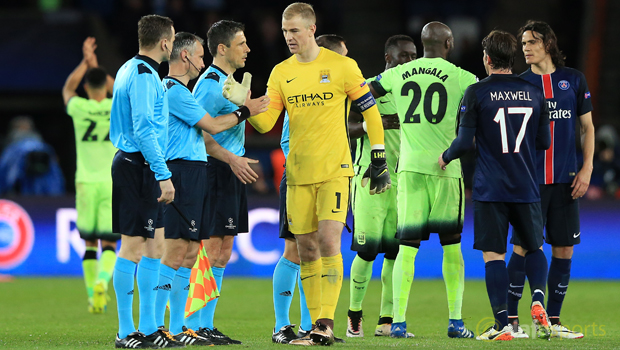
435, 34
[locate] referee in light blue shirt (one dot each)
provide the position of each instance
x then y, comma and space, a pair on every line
227, 203
139, 129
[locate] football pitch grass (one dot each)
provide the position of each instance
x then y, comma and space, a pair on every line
51, 313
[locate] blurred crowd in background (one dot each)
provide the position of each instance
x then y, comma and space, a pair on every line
36, 136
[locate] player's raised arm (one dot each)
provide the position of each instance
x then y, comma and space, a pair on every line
74, 79
218, 124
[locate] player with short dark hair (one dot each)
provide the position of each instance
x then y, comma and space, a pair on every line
427, 92
375, 217
314, 86
187, 223
93, 183
561, 182
227, 194
286, 272
333, 42
509, 119
141, 180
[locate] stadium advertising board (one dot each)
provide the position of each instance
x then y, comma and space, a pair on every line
38, 237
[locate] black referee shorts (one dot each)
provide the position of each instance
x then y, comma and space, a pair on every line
491, 220
227, 202
560, 213
135, 210
284, 232
190, 198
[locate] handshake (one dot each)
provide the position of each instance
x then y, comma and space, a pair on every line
240, 94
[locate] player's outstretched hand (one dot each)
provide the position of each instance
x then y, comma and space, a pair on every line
257, 105
242, 169
167, 191
390, 121
581, 182
235, 92
377, 173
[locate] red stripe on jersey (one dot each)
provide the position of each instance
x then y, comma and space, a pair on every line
549, 158
547, 86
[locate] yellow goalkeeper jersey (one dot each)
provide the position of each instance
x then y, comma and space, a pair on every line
315, 95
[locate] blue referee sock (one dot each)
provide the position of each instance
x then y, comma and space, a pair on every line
123, 278
193, 321
496, 277
208, 312
178, 299
516, 278
306, 320
284, 279
536, 272
559, 275
147, 278
166, 276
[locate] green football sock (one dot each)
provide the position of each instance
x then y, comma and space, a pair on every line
404, 268
453, 269
106, 266
89, 266
387, 297
361, 273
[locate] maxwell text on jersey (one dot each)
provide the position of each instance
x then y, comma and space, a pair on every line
510, 96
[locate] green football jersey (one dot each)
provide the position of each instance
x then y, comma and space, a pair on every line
386, 106
427, 92
91, 121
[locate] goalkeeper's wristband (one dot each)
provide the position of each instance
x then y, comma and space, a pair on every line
242, 113
377, 157
364, 127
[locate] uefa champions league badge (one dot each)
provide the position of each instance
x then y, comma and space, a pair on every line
16, 234
564, 85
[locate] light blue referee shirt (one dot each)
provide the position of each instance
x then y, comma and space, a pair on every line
184, 137
285, 136
139, 116
208, 93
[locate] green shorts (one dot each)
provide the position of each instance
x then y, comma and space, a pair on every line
429, 204
374, 220
93, 201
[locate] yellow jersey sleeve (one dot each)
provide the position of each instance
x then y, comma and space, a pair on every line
265, 121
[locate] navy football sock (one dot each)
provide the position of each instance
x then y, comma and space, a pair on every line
516, 278
536, 272
559, 275
496, 277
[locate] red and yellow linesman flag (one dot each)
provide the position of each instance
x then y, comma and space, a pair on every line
202, 286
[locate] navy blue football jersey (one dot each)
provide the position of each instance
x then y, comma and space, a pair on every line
509, 116
568, 97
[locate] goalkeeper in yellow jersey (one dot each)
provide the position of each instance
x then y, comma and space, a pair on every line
314, 86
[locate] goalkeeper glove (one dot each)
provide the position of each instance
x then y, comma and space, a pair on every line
235, 92
377, 173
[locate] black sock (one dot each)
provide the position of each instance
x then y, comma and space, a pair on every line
496, 277
536, 271
516, 277
559, 275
